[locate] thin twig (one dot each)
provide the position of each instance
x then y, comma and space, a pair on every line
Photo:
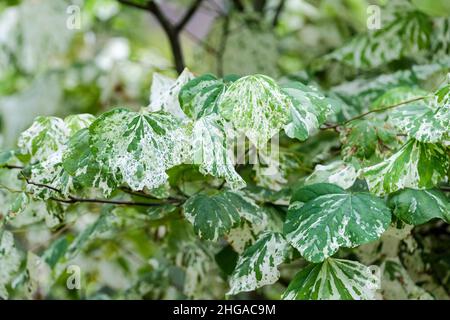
362, 115
278, 10
188, 15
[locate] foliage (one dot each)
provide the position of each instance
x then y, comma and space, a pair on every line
276, 174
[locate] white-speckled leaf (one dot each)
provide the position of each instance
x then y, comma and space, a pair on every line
419, 206
309, 109
77, 122
45, 136
138, 147
258, 265
9, 261
333, 279
324, 217
416, 165
426, 122
339, 173
407, 35
214, 216
164, 93
257, 106
212, 152
79, 162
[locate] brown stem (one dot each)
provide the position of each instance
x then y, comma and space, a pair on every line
172, 30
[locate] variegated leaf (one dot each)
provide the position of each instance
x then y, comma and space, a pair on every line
164, 93
333, 279
424, 122
77, 122
9, 261
258, 265
211, 150
369, 139
199, 97
138, 147
324, 217
45, 136
416, 165
257, 106
214, 216
79, 162
339, 173
407, 35
309, 109
419, 206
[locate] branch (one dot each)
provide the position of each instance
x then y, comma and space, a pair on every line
334, 126
278, 11
188, 15
73, 199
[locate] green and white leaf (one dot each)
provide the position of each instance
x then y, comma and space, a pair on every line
199, 97
324, 217
214, 216
308, 110
257, 106
340, 173
77, 122
416, 165
407, 35
258, 265
164, 93
138, 147
79, 162
419, 206
212, 150
397, 284
9, 261
333, 279
429, 123
45, 136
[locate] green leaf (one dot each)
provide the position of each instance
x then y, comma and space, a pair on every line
398, 95
256, 105
419, 206
9, 261
309, 109
258, 266
138, 147
164, 93
5, 157
199, 97
212, 152
365, 139
333, 279
416, 165
324, 217
214, 216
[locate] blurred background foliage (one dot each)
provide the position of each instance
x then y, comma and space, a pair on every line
47, 68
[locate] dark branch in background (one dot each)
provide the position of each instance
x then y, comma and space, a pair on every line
278, 11
172, 30
259, 5
238, 5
